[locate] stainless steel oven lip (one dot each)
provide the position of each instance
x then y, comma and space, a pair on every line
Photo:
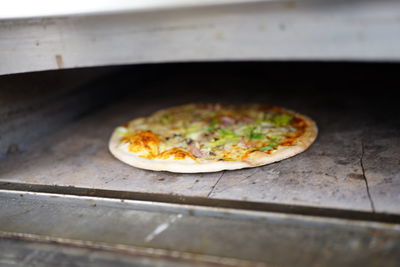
134, 251
189, 204
363, 31
156, 229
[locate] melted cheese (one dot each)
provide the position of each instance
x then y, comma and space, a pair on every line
176, 153
221, 132
144, 141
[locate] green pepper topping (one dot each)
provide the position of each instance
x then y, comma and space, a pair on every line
166, 119
281, 120
255, 135
211, 126
226, 132
266, 148
273, 143
224, 140
271, 146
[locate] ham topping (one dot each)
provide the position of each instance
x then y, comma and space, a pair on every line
195, 151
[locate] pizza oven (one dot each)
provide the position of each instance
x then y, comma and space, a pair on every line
68, 78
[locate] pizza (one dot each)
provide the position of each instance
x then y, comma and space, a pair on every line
196, 138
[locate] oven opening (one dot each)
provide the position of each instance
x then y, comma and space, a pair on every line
55, 127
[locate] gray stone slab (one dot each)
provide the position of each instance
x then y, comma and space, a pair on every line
382, 166
328, 175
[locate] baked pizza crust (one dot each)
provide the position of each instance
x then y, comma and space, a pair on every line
188, 165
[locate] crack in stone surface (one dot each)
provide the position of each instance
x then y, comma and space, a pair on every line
365, 177
213, 187
244, 179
